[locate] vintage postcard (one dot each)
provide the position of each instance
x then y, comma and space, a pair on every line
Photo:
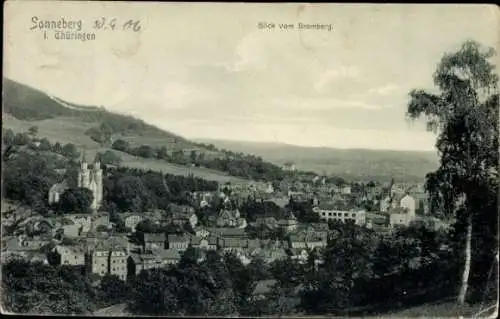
249, 160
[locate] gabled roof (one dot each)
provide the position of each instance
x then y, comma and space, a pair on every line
233, 242
75, 249
168, 254
254, 243
227, 232
154, 237
178, 238
397, 210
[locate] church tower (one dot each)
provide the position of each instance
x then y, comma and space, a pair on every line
97, 178
83, 179
91, 178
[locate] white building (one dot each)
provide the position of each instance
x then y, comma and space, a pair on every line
358, 216
408, 203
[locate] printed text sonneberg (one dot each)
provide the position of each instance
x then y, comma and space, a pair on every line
64, 29
60, 24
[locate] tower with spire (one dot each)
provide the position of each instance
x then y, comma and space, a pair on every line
90, 177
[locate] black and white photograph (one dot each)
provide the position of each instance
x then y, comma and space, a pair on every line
205, 159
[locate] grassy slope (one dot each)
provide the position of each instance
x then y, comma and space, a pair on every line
60, 124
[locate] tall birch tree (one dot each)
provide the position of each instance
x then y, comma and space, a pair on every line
463, 113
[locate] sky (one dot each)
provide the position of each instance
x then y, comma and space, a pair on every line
206, 70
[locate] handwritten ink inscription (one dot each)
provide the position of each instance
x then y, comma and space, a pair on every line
77, 29
106, 23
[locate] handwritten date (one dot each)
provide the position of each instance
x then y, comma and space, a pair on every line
113, 24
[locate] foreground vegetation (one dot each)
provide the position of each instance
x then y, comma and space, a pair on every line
412, 266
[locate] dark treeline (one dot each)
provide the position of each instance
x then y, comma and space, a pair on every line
137, 190
235, 164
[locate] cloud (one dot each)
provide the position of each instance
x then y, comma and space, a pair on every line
322, 103
249, 53
335, 74
384, 90
174, 96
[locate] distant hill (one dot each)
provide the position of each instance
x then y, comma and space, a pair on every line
66, 122
346, 163
28, 104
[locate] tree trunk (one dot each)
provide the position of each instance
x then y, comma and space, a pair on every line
465, 274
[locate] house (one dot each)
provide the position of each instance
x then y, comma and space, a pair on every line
253, 243
93, 239
71, 230
421, 202
35, 242
289, 223
330, 212
271, 254
185, 209
43, 226
12, 243
309, 240
118, 262
154, 241
73, 255
202, 232
400, 217
269, 222
323, 227
139, 262
299, 254
314, 240
228, 232
169, 256
310, 228
280, 201
297, 241
100, 260
182, 218
237, 245
202, 199
178, 242
408, 203
101, 218
269, 189
119, 240
155, 216
207, 243
109, 257
230, 218
131, 221
56, 191
346, 190
84, 221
